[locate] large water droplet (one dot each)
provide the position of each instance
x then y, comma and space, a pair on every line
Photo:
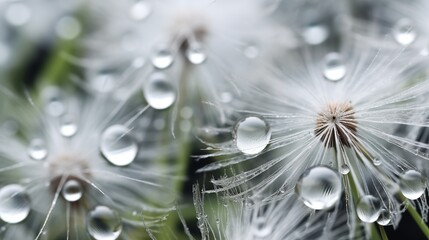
118, 146
162, 58
195, 54
261, 229
404, 32
72, 191
334, 68
252, 135
315, 34
368, 209
140, 10
384, 218
15, 204
37, 149
104, 223
412, 184
159, 92
319, 187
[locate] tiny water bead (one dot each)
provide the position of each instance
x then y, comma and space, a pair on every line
162, 58
195, 54
404, 32
344, 169
384, 218
68, 128
334, 68
319, 187
140, 10
118, 146
104, 223
261, 229
72, 191
252, 135
412, 184
315, 34
159, 92
15, 204
368, 209
37, 149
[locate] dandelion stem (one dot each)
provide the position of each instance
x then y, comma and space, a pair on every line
416, 216
383, 233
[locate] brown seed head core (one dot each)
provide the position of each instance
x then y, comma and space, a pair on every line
336, 125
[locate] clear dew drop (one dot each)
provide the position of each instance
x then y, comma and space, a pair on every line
140, 10
118, 146
104, 223
252, 135
15, 204
344, 169
315, 34
162, 58
68, 128
412, 184
404, 32
260, 228
159, 92
376, 161
319, 187
37, 149
384, 218
72, 191
334, 68
195, 54
368, 209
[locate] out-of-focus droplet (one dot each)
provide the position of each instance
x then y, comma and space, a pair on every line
37, 149
17, 13
72, 191
15, 204
315, 34
68, 128
68, 28
162, 58
252, 135
159, 91
261, 229
251, 51
140, 10
195, 54
368, 209
319, 187
404, 32
104, 223
412, 184
118, 146
334, 68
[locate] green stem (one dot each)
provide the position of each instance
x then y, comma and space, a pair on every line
383, 233
417, 218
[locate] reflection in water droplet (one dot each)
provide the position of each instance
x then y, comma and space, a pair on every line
68, 128
315, 34
37, 149
72, 191
140, 10
334, 68
412, 184
118, 146
195, 54
159, 92
162, 58
384, 218
15, 204
104, 223
319, 187
368, 209
252, 135
404, 32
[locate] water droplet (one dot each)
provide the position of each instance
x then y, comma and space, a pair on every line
319, 187
251, 51
159, 92
15, 204
68, 128
195, 54
37, 149
162, 58
334, 68
17, 14
104, 223
315, 34
376, 161
368, 209
68, 28
252, 135
118, 146
140, 10
412, 184
404, 32
345, 169
260, 228
384, 218
72, 191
